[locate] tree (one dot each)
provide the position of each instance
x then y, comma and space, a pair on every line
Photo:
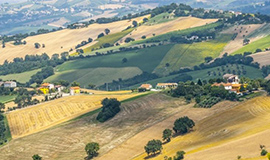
101, 35
37, 45
110, 107
145, 20
91, 86
199, 82
36, 157
2, 106
242, 88
135, 23
107, 31
179, 155
263, 152
129, 39
153, 146
208, 59
124, 60
90, 40
183, 125
167, 134
143, 37
75, 84
91, 150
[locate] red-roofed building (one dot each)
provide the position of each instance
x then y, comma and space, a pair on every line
146, 86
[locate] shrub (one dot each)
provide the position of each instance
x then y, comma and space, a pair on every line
263, 152
110, 107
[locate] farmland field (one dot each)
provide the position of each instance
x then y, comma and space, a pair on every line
5, 99
189, 55
37, 118
181, 23
111, 39
97, 76
145, 59
259, 44
239, 130
67, 141
61, 41
263, 58
20, 77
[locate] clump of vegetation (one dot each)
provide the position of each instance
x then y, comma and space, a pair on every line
183, 125
36, 157
129, 39
263, 150
167, 135
179, 155
110, 107
153, 147
91, 150
209, 102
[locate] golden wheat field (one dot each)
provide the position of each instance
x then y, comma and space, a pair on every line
162, 28
61, 41
36, 118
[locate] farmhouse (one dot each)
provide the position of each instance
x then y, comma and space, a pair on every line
46, 87
59, 88
74, 90
230, 78
232, 88
166, 85
146, 86
227, 86
10, 84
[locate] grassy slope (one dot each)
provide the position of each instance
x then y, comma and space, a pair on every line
20, 77
111, 38
159, 19
146, 59
103, 69
189, 55
97, 76
5, 99
261, 44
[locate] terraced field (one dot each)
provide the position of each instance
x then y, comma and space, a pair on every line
36, 118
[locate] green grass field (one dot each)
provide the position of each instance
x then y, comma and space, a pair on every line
189, 55
146, 59
5, 99
111, 38
161, 18
103, 69
259, 44
20, 77
97, 76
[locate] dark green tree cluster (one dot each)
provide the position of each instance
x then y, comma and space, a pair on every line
31, 62
24, 98
183, 125
153, 147
41, 75
91, 150
36, 157
110, 107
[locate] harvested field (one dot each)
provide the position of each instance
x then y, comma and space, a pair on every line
60, 41
236, 131
37, 118
67, 141
242, 32
162, 28
263, 58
